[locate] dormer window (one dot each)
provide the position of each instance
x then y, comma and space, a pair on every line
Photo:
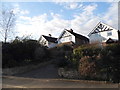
109, 34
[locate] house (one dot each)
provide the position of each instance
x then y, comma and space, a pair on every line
66, 37
103, 33
48, 41
70, 36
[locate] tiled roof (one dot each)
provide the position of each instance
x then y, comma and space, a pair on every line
78, 35
50, 39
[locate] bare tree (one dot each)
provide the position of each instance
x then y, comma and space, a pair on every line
7, 23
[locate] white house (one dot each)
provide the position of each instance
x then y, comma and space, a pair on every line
103, 32
48, 41
70, 36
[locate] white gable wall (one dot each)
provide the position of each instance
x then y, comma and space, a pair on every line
103, 36
66, 37
73, 38
43, 41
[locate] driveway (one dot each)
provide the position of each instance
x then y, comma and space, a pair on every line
48, 71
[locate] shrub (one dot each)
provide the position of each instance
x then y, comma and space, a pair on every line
62, 55
85, 50
19, 52
41, 54
93, 59
88, 67
110, 59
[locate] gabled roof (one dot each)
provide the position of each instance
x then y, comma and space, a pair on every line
50, 39
77, 35
101, 27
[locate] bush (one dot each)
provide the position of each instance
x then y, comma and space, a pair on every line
18, 53
85, 50
41, 54
62, 55
93, 61
110, 58
88, 67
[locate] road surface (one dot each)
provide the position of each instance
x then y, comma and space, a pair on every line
20, 82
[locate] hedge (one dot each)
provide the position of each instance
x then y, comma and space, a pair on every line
18, 53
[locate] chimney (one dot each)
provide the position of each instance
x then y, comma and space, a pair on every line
71, 30
50, 35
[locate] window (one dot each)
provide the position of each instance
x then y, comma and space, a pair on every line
45, 42
109, 33
70, 38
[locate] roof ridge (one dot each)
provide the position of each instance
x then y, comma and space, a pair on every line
49, 36
72, 32
50, 39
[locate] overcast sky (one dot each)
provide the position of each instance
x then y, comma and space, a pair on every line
38, 18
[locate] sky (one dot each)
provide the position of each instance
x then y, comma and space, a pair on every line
43, 18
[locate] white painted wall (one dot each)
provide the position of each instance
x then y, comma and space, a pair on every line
66, 37
48, 44
73, 38
51, 45
43, 41
103, 36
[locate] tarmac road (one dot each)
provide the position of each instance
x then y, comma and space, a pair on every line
20, 82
